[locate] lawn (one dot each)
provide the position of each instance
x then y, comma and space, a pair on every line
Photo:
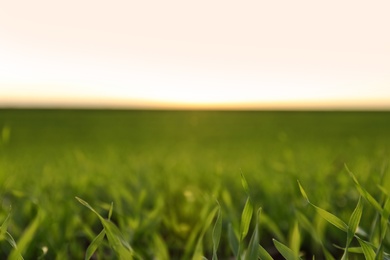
168, 174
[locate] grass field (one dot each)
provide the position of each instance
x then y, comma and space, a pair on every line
170, 173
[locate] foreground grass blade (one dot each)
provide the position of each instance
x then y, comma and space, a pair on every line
114, 236
198, 254
110, 211
27, 236
356, 250
192, 239
217, 233
10, 239
4, 226
86, 204
332, 219
286, 252
16, 255
116, 240
308, 226
233, 240
303, 192
355, 218
353, 224
246, 217
263, 254
295, 239
244, 184
94, 245
253, 248
5, 235
328, 255
364, 192
379, 253
247, 212
366, 248
368, 252
385, 218
383, 228
160, 248
252, 253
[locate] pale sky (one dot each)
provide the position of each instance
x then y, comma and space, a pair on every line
195, 54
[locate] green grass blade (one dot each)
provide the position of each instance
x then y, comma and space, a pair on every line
364, 193
192, 239
383, 228
114, 236
355, 249
303, 192
10, 239
286, 252
355, 217
198, 253
94, 245
263, 254
332, 219
244, 184
116, 240
110, 211
308, 226
160, 248
246, 217
327, 254
27, 236
4, 226
86, 204
383, 190
379, 254
295, 239
233, 240
353, 224
253, 247
5, 235
217, 230
385, 218
16, 254
325, 214
368, 252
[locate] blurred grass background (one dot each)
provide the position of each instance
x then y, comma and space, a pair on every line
162, 169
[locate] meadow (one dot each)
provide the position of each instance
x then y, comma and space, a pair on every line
111, 184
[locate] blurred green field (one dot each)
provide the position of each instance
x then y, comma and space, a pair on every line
165, 170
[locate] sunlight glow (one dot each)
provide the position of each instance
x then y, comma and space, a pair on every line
139, 57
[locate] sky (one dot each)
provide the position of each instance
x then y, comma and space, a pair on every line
195, 54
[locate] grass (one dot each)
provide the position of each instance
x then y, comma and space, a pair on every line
170, 184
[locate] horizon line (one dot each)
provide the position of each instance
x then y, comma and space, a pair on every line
141, 104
